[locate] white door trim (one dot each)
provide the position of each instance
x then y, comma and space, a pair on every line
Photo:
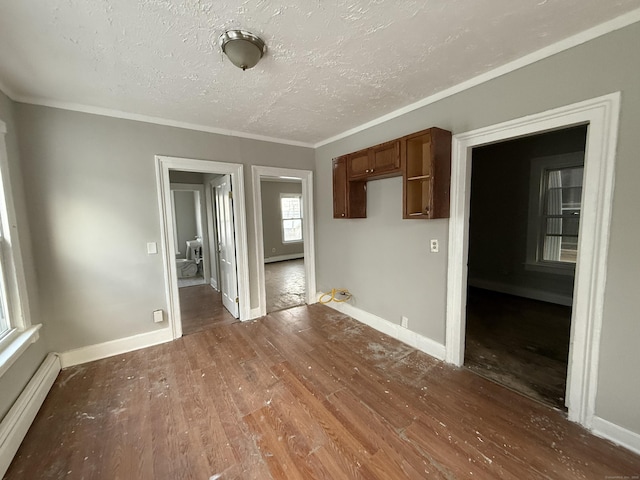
163, 165
591, 270
306, 177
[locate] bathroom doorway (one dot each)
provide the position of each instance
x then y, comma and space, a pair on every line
197, 303
190, 230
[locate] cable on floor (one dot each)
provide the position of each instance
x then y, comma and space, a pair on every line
335, 295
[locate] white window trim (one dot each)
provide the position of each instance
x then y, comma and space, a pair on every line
291, 195
538, 166
21, 334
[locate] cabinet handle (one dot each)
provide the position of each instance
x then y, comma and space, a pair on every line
366, 171
343, 214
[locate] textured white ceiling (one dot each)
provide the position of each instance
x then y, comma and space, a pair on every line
331, 65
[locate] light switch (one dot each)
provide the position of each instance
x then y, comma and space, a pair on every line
152, 248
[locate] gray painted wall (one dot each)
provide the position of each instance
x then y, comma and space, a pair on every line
92, 207
271, 218
186, 226
385, 261
15, 379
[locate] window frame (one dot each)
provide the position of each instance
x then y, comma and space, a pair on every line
537, 197
282, 219
20, 332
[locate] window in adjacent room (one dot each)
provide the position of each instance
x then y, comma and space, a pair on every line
554, 212
291, 210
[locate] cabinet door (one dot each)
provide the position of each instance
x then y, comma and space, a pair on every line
358, 164
385, 159
340, 187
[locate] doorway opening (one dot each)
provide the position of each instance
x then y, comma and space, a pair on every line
525, 207
204, 243
601, 115
283, 243
283, 216
189, 227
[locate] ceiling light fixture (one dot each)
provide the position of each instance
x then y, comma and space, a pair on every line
244, 49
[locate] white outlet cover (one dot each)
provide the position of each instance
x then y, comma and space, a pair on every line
435, 247
152, 248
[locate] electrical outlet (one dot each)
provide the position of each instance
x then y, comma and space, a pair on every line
405, 322
435, 247
158, 316
273, 250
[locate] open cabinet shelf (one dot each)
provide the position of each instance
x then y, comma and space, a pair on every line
426, 172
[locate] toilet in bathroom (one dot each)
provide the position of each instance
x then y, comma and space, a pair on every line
188, 267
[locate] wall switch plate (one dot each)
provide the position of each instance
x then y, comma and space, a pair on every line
152, 248
158, 316
435, 247
405, 322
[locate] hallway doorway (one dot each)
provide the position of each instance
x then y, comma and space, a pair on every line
283, 219
206, 174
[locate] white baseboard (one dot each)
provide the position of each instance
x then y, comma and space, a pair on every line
114, 347
281, 258
525, 292
213, 283
17, 421
616, 434
417, 341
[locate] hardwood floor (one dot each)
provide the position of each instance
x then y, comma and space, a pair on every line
285, 284
299, 394
201, 308
520, 343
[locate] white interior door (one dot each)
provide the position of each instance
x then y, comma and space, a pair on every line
226, 244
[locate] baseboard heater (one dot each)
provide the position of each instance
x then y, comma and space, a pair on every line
17, 421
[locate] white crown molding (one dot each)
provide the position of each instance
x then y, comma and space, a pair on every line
570, 42
617, 23
107, 112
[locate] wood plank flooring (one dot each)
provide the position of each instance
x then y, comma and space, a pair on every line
201, 308
520, 343
285, 284
303, 393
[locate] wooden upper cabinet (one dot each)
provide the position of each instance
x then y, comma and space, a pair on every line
376, 162
422, 158
358, 164
340, 187
349, 198
426, 175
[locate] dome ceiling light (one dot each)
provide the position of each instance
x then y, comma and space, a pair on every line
243, 48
